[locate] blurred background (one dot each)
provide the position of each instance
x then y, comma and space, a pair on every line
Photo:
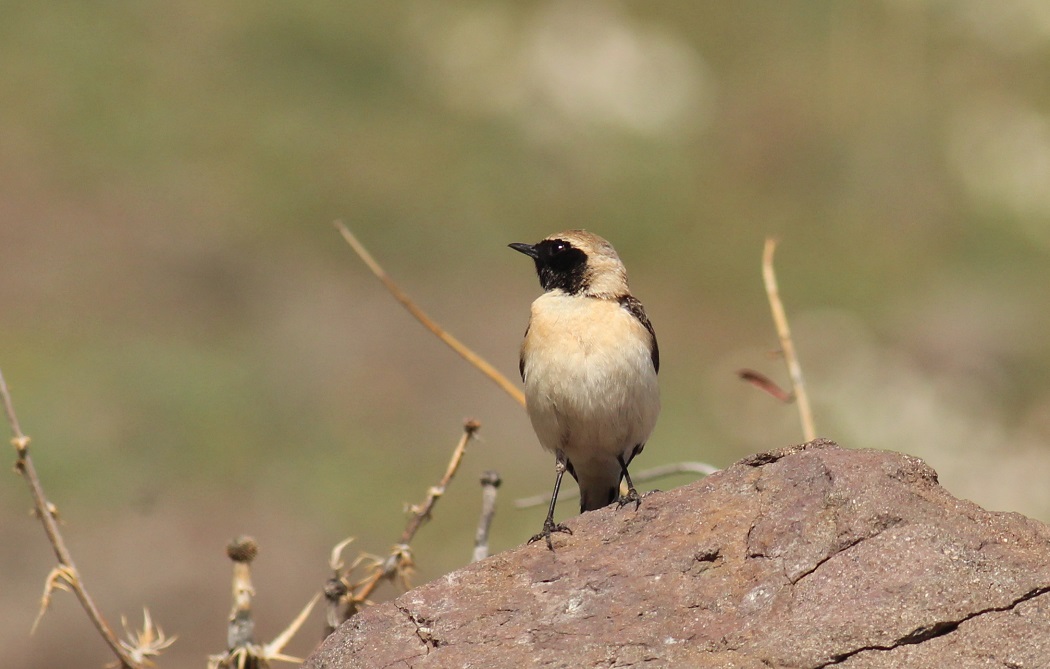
197, 354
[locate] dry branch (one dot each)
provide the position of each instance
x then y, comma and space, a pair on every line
421, 513
490, 482
66, 574
347, 597
470, 356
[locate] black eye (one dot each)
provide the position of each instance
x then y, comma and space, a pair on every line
559, 247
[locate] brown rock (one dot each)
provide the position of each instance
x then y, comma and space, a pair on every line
810, 556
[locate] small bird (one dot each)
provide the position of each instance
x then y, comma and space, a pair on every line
589, 363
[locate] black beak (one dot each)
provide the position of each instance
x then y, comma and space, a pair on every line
527, 249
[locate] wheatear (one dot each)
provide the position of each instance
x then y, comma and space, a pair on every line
589, 363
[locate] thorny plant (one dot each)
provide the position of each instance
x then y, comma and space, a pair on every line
346, 594
242, 651
139, 647
146, 643
131, 654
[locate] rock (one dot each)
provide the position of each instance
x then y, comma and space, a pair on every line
806, 557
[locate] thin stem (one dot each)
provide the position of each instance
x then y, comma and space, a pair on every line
421, 513
44, 510
240, 628
640, 477
401, 556
490, 482
798, 385
367, 588
473, 358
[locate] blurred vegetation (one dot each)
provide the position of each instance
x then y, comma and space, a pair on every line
197, 354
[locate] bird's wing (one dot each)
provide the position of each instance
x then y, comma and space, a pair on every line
635, 308
521, 356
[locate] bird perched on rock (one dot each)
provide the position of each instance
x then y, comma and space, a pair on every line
589, 363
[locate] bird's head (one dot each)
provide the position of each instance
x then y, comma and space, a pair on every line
577, 262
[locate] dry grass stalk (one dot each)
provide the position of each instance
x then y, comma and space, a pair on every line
787, 345
65, 576
470, 356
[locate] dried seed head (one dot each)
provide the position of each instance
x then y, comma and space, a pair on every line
242, 549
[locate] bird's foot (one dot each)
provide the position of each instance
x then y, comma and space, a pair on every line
631, 496
549, 528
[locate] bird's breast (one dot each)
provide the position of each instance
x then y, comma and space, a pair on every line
588, 373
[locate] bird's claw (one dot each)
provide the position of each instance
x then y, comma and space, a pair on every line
549, 528
631, 496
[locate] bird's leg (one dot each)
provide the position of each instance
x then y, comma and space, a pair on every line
549, 526
632, 494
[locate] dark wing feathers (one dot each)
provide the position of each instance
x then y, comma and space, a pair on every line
521, 356
635, 308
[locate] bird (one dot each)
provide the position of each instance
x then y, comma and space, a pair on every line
589, 364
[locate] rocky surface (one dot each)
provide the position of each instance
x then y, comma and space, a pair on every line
808, 557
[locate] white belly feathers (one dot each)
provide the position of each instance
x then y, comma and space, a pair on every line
588, 393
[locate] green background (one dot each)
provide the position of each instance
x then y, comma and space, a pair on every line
197, 354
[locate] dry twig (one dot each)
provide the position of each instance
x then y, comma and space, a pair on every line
490, 482
242, 651
798, 385
470, 356
345, 596
421, 513
65, 575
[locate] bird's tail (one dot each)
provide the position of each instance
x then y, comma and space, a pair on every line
597, 499
599, 489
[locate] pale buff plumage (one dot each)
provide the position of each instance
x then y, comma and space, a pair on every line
589, 364
590, 385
